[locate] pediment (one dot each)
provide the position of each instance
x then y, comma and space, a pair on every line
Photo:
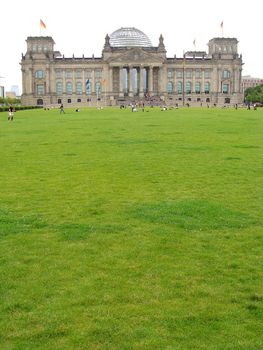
136, 56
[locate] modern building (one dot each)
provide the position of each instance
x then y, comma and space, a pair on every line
2, 91
10, 94
15, 89
248, 82
132, 69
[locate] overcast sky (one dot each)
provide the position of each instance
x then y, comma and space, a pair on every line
80, 27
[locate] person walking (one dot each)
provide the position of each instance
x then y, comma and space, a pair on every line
10, 113
62, 109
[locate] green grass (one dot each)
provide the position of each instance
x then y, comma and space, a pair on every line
123, 230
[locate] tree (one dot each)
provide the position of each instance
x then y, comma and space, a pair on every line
254, 94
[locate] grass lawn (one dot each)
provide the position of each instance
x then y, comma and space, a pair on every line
125, 231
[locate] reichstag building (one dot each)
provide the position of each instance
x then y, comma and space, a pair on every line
131, 69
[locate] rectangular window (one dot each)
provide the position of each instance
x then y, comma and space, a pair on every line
170, 73
68, 74
98, 73
179, 74
188, 74
39, 74
78, 74
225, 88
198, 74
40, 89
88, 73
58, 73
207, 74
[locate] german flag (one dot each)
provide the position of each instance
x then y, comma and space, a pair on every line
42, 25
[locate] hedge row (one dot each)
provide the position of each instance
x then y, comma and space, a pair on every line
18, 108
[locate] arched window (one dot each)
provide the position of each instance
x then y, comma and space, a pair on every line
88, 87
179, 87
79, 88
169, 87
98, 88
188, 87
197, 87
69, 88
207, 88
39, 74
59, 88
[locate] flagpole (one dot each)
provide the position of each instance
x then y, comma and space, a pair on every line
222, 28
183, 78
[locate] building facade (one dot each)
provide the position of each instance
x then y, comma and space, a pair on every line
132, 69
248, 82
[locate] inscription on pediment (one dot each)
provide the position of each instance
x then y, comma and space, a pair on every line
136, 55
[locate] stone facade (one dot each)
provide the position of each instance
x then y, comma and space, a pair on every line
132, 73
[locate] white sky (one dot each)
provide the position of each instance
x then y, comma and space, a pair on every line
80, 27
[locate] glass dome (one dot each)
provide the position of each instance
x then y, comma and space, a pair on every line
129, 37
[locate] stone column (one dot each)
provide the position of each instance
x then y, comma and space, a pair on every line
47, 82
193, 81
93, 91
130, 82
84, 79
110, 83
31, 82
150, 80
64, 81
121, 94
24, 91
141, 94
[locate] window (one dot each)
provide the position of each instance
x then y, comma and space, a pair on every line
227, 100
78, 74
40, 89
197, 88
59, 101
225, 88
188, 87
226, 74
179, 74
39, 74
79, 100
188, 74
198, 74
39, 102
179, 87
69, 100
98, 88
88, 87
68, 74
79, 88
169, 73
207, 74
169, 87
58, 73
98, 73
88, 73
207, 100
207, 88
69, 88
59, 88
